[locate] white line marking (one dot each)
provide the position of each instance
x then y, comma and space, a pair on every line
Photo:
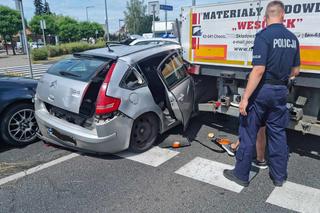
27, 66
210, 172
36, 169
153, 157
296, 197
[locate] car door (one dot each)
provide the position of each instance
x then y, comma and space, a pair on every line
179, 87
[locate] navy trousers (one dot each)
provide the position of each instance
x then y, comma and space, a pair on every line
267, 106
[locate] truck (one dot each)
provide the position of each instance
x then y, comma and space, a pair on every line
218, 38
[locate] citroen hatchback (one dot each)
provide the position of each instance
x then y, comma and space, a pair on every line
111, 99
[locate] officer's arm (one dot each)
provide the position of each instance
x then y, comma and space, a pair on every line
253, 81
295, 71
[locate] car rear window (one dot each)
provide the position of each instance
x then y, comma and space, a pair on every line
77, 68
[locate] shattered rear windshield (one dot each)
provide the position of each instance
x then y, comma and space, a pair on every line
77, 68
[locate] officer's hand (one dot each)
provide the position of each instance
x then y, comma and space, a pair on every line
243, 106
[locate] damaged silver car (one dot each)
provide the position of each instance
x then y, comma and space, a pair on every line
111, 99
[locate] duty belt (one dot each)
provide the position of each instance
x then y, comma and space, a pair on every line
275, 82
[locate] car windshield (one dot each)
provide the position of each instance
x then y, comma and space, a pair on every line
78, 68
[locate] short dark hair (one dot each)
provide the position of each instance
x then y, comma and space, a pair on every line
274, 8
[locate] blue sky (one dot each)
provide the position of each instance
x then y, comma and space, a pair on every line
76, 9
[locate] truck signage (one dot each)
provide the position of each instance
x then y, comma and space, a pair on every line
223, 34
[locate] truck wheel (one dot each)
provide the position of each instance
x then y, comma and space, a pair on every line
144, 133
19, 126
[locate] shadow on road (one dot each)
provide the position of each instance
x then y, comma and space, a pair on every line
5, 147
304, 145
219, 125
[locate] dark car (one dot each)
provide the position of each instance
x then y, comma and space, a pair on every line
18, 125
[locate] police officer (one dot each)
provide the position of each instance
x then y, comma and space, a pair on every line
276, 58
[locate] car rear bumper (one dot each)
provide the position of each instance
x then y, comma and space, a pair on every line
108, 136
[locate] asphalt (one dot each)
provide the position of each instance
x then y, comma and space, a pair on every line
13, 160
112, 184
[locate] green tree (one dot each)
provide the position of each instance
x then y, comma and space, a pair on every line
10, 24
46, 8
68, 29
38, 6
51, 24
137, 21
88, 29
98, 27
146, 24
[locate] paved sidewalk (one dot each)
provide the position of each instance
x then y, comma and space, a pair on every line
22, 60
12, 60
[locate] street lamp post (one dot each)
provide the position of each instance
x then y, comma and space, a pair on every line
87, 12
166, 18
24, 34
154, 20
107, 23
23, 45
43, 27
120, 20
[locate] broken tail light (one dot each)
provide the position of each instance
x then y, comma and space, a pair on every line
106, 104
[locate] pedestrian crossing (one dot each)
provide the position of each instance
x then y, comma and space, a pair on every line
296, 197
210, 172
292, 196
153, 157
23, 71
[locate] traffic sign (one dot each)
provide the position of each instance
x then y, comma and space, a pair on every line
43, 25
166, 7
153, 8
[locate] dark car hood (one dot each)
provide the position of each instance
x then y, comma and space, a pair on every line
18, 81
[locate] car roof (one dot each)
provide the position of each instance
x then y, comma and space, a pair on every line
126, 52
154, 40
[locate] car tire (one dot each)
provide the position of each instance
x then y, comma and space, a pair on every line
18, 126
144, 133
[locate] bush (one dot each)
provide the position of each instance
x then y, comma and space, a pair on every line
77, 47
54, 51
64, 49
40, 54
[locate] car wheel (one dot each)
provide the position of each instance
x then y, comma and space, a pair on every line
19, 126
144, 133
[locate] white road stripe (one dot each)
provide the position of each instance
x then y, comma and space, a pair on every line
38, 70
36, 169
296, 197
210, 172
24, 70
26, 66
153, 157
